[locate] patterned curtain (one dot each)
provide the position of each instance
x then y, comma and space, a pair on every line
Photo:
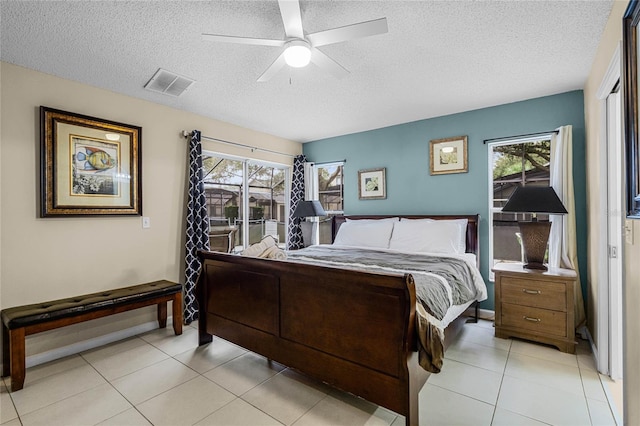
294, 233
197, 237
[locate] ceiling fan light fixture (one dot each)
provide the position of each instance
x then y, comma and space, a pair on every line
297, 54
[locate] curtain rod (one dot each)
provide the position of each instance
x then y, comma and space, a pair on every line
186, 134
330, 162
520, 136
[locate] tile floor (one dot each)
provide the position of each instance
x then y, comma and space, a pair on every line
161, 379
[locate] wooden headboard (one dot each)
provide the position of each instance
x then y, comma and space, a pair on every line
473, 228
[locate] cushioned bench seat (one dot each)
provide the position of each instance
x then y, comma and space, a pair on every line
21, 321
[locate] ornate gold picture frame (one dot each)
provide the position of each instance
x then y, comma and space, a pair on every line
89, 166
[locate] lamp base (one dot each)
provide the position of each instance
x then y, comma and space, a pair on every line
307, 233
535, 236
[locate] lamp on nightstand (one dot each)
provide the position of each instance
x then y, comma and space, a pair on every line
534, 234
308, 208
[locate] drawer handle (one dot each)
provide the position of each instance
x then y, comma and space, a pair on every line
532, 319
524, 290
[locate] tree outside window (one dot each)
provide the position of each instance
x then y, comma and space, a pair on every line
330, 186
514, 164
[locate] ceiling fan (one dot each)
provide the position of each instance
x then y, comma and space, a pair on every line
301, 48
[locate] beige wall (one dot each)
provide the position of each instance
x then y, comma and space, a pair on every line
632, 330
44, 259
593, 113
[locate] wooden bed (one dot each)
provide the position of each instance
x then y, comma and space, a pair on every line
353, 330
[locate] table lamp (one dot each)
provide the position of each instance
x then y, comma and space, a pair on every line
308, 208
534, 234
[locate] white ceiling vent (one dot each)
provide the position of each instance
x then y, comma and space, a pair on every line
169, 83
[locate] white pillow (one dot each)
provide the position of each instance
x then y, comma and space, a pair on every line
365, 233
430, 236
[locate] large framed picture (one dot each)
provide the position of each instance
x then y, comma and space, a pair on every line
448, 155
89, 166
631, 21
372, 184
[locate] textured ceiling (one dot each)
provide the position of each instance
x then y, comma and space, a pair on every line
438, 58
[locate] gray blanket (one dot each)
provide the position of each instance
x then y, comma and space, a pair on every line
441, 281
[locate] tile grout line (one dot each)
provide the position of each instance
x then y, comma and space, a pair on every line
60, 400
581, 370
495, 407
154, 363
117, 390
236, 397
602, 387
4, 383
617, 416
264, 381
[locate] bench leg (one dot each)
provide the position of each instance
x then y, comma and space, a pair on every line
162, 314
16, 356
177, 313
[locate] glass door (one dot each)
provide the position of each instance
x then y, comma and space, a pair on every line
223, 185
247, 199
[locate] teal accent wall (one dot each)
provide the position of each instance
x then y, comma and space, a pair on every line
404, 151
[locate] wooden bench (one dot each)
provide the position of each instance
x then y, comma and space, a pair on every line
21, 321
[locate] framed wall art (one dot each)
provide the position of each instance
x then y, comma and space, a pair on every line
372, 184
89, 166
448, 155
631, 21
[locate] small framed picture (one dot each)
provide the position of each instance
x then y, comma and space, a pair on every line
89, 166
448, 155
371, 184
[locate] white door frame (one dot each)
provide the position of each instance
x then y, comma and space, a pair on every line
608, 336
615, 222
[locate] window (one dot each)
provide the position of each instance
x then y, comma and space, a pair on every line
247, 196
513, 163
330, 187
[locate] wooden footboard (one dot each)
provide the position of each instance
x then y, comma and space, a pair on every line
353, 330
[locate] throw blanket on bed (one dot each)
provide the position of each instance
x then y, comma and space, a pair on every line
266, 248
441, 281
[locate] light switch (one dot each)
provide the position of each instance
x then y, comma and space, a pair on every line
146, 222
628, 231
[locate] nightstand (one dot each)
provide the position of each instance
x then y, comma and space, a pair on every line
535, 305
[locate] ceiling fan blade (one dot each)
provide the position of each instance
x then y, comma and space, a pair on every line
328, 64
291, 18
348, 32
273, 69
243, 40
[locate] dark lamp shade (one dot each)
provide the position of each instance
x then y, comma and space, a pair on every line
534, 234
309, 208
534, 199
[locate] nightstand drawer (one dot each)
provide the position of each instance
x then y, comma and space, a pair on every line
540, 294
534, 319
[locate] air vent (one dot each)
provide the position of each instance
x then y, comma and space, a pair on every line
169, 83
